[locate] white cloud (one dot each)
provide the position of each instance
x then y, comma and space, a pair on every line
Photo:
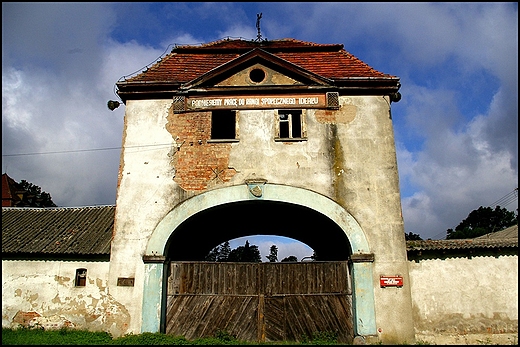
456, 172
456, 126
45, 110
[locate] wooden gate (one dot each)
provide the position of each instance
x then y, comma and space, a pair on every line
259, 301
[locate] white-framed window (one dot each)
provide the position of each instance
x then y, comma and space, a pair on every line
81, 278
291, 126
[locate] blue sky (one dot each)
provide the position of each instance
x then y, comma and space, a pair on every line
456, 126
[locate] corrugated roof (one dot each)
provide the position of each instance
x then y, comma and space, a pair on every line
87, 231
501, 239
508, 233
186, 63
72, 231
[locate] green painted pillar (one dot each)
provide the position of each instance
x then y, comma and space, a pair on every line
153, 297
363, 294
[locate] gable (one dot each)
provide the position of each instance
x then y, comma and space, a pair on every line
270, 71
258, 75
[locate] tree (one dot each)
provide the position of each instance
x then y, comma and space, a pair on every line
225, 250
290, 258
481, 221
219, 253
213, 254
33, 195
273, 255
245, 253
411, 236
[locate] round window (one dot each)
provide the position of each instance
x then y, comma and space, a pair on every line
257, 75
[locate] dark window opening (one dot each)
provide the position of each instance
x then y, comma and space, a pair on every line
223, 124
296, 125
81, 277
290, 124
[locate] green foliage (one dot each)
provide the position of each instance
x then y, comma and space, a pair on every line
273, 254
36, 198
290, 258
213, 254
150, 339
245, 253
67, 336
322, 338
64, 336
225, 251
222, 337
219, 253
411, 236
481, 221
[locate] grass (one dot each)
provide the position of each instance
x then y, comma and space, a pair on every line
67, 336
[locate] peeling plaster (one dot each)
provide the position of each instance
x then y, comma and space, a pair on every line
61, 280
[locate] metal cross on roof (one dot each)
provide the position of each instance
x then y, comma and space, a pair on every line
258, 36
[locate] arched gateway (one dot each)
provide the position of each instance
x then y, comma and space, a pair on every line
153, 312
227, 139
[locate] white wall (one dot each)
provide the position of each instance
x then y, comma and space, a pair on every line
458, 297
44, 293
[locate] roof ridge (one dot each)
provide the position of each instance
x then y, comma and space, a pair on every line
228, 41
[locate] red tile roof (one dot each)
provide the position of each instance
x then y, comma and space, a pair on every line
9, 188
186, 63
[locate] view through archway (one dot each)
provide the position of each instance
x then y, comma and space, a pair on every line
259, 221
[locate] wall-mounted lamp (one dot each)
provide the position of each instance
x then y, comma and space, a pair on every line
395, 97
112, 105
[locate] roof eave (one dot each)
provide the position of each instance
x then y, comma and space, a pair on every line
31, 256
345, 86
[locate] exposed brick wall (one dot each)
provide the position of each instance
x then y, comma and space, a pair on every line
198, 164
325, 116
346, 115
25, 318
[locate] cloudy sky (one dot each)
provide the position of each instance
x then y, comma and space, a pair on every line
456, 126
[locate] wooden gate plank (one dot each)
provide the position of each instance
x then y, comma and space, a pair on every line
259, 301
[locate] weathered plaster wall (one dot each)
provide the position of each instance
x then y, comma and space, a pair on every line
349, 156
456, 300
304, 164
366, 183
43, 293
146, 193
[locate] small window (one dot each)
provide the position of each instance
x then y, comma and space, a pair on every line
81, 277
257, 75
223, 125
290, 124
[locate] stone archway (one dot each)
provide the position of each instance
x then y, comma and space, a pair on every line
194, 238
361, 257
